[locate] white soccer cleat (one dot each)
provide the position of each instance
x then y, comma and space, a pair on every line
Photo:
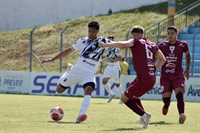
146, 119
139, 121
110, 98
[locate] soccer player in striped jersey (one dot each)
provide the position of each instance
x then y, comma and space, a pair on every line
84, 70
112, 71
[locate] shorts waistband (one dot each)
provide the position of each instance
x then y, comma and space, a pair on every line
112, 63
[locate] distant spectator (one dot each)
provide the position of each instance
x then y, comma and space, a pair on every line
111, 38
124, 67
112, 70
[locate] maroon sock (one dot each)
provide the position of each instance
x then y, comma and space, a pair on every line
180, 102
139, 103
166, 102
134, 107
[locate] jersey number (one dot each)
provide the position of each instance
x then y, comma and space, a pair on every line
148, 52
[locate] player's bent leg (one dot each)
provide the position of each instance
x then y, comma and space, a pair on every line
105, 80
60, 88
139, 120
146, 119
180, 104
124, 98
107, 87
132, 104
120, 90
88, 89
166, 100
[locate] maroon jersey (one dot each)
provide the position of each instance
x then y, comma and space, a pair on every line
173, 54
143, 52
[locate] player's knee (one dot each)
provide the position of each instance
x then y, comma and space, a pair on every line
88, 90
117, 85
166, 94
177, 90
104, 82
60, 88
124, 99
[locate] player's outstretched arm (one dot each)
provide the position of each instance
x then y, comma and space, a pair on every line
120, 44
161, 59
187, 70
58, 56
105, 59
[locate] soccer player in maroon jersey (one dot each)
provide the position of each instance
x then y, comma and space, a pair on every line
144, 53
172, 74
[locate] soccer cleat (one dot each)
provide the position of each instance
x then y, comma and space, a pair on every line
182, 119
146, 120
164, 110
120, 102
110, 98
139, 121
81, 118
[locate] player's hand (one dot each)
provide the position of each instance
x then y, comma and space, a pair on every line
109, 59
187, 74
47, 60
101, 44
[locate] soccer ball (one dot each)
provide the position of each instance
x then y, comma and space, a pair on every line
56, 113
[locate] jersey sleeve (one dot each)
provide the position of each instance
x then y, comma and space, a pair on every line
157, 48
78, 45
117, 51
159, 45
107, 41
185, 48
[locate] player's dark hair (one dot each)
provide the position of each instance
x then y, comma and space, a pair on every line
137, 29
172, 28
111, 37
93, 24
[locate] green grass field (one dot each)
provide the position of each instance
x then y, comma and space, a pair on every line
30, 114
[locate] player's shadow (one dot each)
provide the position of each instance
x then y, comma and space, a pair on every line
125, 129
160, 123
62, 122
100, 103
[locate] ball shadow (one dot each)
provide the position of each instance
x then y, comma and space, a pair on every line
62, 122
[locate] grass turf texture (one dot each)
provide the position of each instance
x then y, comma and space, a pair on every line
31, 114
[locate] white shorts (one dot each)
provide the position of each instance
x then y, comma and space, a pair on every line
112, 72
75, 76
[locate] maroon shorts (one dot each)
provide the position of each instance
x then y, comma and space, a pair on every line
139, 87
171, 82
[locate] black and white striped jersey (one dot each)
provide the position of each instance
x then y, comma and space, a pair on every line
90, 53
113, 53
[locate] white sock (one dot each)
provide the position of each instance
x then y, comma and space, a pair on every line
107, 87
85, 104
120, 90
